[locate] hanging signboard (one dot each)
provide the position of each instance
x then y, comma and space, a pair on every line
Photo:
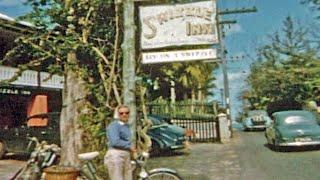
177, 56
176, 25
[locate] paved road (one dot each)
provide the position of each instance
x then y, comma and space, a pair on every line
246, 157
257, 160
206, 161
9, 167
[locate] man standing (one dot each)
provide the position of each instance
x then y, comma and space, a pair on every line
117, 158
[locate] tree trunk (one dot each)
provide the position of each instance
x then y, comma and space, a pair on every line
193, 100
73, 99
172, 97
199, 93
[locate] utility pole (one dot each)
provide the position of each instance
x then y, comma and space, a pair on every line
223, 53
129, 63
222, 96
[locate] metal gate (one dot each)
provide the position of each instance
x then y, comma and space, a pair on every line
201, 118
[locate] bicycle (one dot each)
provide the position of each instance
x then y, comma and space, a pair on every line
88, 169
153, 174
43, 155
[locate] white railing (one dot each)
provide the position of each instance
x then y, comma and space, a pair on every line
30, 78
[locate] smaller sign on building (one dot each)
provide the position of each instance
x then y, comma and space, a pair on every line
14, 91
178, 56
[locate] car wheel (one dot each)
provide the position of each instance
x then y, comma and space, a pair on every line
155, 149
2, 149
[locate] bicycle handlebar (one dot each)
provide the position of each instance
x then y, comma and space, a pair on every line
43, 145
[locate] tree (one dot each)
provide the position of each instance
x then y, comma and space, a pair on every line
289, 68
193, 79
314, 4
78, 39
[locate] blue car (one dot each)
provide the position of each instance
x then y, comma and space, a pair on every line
256, 120
165, 136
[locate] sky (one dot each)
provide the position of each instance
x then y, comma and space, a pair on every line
13, 8
250, 31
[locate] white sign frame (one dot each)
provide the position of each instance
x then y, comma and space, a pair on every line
177, 25
179, 56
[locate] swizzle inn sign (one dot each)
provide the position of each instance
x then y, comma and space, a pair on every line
178, 25
174, 25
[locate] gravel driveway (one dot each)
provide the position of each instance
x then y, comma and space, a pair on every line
205, 161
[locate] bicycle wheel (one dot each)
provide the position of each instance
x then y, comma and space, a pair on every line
164, 175
29, 172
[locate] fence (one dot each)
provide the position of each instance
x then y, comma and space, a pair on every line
183, 109
201, 118
205, 129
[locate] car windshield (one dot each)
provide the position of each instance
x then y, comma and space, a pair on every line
299, 120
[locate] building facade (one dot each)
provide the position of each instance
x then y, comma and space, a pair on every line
34, 92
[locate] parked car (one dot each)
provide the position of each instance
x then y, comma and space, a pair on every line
293, 128
165, 136
15, 140
256, 120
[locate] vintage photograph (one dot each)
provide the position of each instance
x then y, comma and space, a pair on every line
159, 89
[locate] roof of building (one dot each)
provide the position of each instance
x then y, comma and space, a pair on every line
11, 24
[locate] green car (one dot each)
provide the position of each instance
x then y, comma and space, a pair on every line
165, 137
293, 128
14, 140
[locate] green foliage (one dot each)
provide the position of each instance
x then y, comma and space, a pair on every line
188, 77
288, 69
313, 5
87, 28
186, 108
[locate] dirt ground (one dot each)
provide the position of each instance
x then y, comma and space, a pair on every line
205, 161
8, 168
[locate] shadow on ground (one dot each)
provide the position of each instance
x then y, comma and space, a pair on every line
169, 154
293, 148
